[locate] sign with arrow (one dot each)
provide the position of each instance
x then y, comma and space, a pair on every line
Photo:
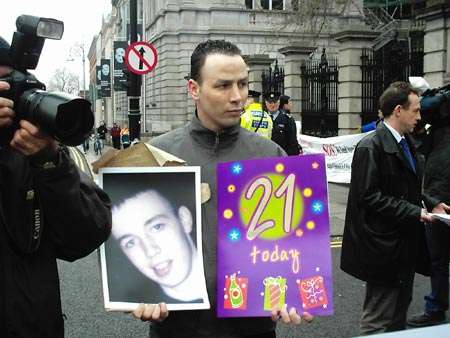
141, 57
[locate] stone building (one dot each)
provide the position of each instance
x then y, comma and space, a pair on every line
285, 31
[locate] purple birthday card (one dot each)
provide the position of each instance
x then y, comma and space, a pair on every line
273, 237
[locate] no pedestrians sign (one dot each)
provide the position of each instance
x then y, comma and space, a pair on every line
141, 57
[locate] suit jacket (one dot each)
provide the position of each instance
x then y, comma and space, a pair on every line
384, 240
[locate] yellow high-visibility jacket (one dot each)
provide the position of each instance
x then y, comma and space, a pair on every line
257, 120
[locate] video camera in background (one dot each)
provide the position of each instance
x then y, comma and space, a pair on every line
435, 106
67, 118
435, 114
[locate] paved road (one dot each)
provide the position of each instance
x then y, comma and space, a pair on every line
83, 304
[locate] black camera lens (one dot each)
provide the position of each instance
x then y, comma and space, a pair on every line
67, 118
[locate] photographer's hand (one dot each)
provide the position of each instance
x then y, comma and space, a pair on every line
6, 106
31, 141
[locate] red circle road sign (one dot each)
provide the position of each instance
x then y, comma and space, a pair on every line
141, 57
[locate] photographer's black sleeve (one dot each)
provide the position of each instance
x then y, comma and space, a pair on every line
76, 212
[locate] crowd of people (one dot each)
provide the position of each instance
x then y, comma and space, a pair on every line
386, 229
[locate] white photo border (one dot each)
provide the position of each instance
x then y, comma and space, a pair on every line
126, 306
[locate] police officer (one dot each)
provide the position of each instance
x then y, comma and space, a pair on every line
284, 131
255, 118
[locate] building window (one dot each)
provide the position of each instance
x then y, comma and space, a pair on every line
273, 4
250, 4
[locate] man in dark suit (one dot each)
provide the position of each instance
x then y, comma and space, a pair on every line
384, 241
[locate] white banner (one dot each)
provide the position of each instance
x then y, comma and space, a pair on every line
338, 153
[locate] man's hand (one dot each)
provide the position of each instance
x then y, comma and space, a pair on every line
425, 217
30, 140
151, 312
441, 208
290, 317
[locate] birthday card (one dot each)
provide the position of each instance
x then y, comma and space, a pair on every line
273, 237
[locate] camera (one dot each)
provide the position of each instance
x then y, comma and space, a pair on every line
435, 106
66, 118
435, 115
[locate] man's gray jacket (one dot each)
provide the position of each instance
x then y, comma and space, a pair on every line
202, 147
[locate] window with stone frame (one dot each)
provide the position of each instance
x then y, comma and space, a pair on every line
266, 4
273, 4
250, 4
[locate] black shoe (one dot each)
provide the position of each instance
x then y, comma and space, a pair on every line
427, 319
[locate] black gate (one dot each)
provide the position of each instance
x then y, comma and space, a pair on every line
319, 97
394, 62
273, 80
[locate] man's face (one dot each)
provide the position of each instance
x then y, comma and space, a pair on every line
154, 238
409, 117
289, 105
272, 106
221, 92
105, 70
120, 54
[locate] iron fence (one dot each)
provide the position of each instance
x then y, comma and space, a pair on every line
395, 62
319, 96
273, 80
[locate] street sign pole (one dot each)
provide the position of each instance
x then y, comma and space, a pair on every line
134, 89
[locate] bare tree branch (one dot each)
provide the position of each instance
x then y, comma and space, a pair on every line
64, 81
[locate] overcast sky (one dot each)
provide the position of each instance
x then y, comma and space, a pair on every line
82, 20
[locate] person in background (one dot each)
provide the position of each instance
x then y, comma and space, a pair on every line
284, 131
102, 131
436, 184
86, 144
286, 104
384, 236
115, 135
125, 137
255, 118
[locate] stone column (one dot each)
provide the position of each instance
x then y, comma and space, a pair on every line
350, 76
257, 64
436, 42
294, 56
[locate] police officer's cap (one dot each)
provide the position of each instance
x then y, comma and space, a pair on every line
272, 97
254, 93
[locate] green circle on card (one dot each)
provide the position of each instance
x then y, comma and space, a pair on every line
274, 210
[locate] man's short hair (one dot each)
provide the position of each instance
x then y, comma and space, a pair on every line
206, 48
396, 94
284, 99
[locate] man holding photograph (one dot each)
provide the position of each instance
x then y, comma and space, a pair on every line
218, 85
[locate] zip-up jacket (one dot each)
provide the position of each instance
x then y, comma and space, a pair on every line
199, 146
